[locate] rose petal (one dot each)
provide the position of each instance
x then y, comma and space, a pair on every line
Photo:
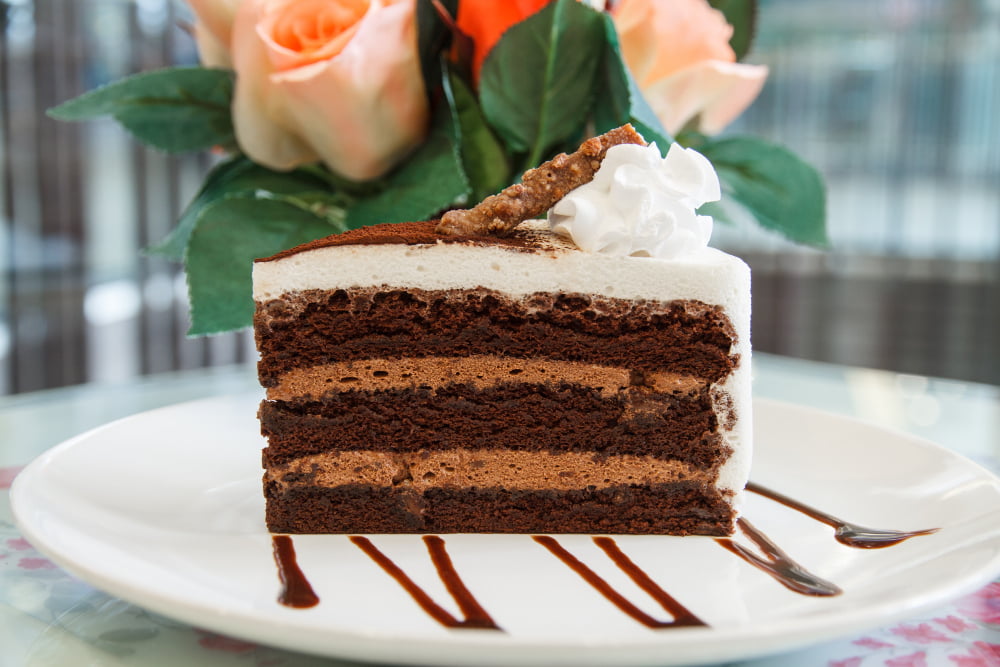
277, 28
360, 111
716, 91
662, 37
379, 112
213, 30
211, 52
255, 106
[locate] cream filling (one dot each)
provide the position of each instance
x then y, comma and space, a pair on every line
480, 371
504, 468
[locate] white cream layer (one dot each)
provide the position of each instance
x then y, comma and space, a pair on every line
708, 275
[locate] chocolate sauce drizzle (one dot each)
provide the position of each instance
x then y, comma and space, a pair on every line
776, 563
298, 593
474, 614
295, 588
847, 533
681, 616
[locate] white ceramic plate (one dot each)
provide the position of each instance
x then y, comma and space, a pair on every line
164, 509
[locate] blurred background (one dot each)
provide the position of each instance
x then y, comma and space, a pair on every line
897, 102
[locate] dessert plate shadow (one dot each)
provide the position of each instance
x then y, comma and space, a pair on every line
164, 509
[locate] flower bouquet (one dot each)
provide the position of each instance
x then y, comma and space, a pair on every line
342, 113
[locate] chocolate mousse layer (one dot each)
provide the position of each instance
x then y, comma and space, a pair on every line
514, 470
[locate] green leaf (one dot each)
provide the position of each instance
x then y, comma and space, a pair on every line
432, 37
431, 181
239, 176
230, 234
782, 192
620, 101
742, 15
483, 157
717, 211
175, 109
537, 83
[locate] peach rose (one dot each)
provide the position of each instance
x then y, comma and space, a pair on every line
213, 30
331, 80
679, 53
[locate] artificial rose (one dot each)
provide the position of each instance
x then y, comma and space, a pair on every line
485, 21
679, 53
213, 30
331, 80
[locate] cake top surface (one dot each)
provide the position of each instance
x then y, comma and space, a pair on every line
527, 237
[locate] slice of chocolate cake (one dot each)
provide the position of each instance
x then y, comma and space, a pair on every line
425, 381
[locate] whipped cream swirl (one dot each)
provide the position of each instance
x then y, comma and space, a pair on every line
641, 204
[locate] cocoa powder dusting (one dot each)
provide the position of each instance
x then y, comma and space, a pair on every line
539, 189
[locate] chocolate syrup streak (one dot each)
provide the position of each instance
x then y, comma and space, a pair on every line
847, 533
777, 563
682, 617
295, 588
298, 593
474, 614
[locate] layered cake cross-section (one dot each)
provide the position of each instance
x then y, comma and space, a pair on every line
422, 381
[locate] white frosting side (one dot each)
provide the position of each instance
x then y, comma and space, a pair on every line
708, 275
641, 204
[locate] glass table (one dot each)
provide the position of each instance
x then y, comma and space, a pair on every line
48, 617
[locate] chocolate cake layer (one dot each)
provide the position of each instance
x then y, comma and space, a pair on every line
546, 417
315, 328
683, 508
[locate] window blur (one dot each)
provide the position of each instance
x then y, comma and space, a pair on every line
897, 102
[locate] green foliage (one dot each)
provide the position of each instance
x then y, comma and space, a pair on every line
742, 15
175, 109
231, 232
483, 157
239, 176
537, 84
782, 192
432, 37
